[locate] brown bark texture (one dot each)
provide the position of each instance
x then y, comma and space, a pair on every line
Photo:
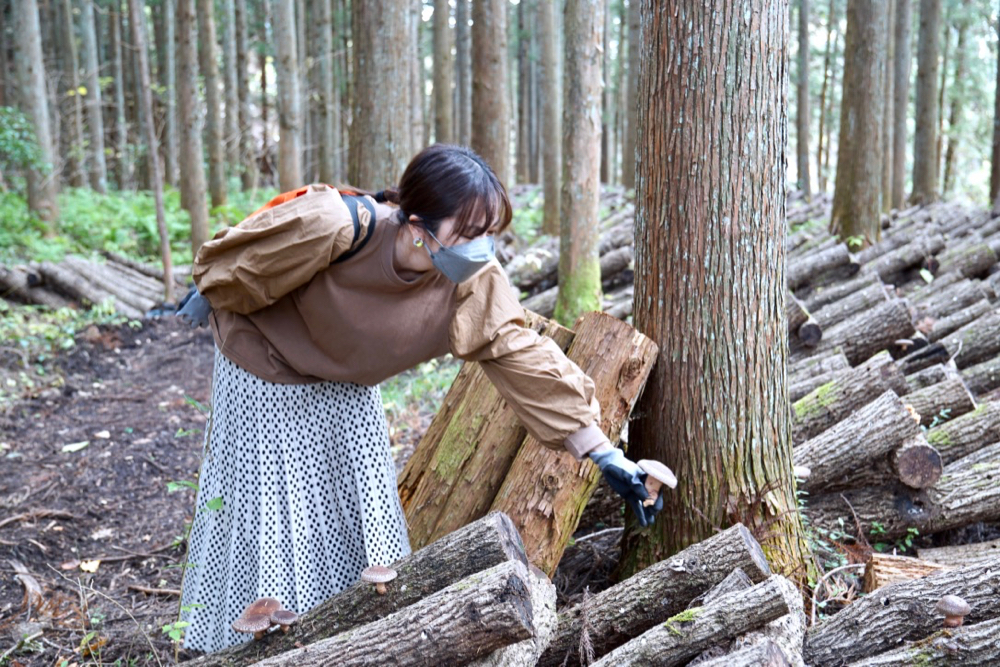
925, 161
885, 569
968, 645
962, 554
945, 400
193, 197
957, 438
209, 63
802, 117
490, 95
443, 70
551, 135
901, 62
286, 65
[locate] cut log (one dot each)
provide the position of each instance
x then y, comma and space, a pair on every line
795, 313
957, 438
966, 493
955, 321
972, 260
612, 265
735, 581
546, 491
976, 342
858, 442
14, 282
968, 645
800, 388
962, 554
76, 286
905, 611
917, 464
833, 263
787, 631
653, 595
154, 272
994, 285
684, 636
914, 254
619, 304
984, 377
944, 400
852, 305
929, 376
917, 295
115, 284
864, 334
767, 654
816, 364
837, 399
938, 302
462, 460
885, 569
479, 546
822, 297
475, 616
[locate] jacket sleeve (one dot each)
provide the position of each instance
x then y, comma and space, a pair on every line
550, 394
276, 250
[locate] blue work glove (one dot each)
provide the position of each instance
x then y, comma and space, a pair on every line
628, 481
194, 309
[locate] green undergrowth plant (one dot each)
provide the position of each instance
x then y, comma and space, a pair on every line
421, 389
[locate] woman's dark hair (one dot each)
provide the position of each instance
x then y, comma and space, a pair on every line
444, 180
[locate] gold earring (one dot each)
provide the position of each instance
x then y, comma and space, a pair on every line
419, 242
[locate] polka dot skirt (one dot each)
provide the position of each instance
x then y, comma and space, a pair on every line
297, 495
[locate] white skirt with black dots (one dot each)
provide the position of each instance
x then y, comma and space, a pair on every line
297, 495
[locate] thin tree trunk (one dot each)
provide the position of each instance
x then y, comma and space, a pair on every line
75, 151
802, 117
605, 52
925, 189
265, 152
535, 150
443, 67
248, 166
634, 51
417, 114
995, 157
5, 74
834, 103
830, 31
942, 90
957, 101
98, 168
858, 191
230, 65
708, 272
579, 263
463, 72
329, 142
289, 98
123, 166
523, 97
551, 135
304, 33
900, 98
42, 186
146, 98
189, 124
887, 115
490, 96
209, 63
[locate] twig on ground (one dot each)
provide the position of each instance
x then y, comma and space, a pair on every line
154, 591
38, 514
819, 583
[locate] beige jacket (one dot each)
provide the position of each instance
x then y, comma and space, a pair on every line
287, 314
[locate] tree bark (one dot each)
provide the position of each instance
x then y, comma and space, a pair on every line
828, 294
289, 98
887, 113
857, 193
627, 609
971, 260
802, 116
905, 611
168, 79
190, 154
852, 306
709, 237
917, 253
579, 265
122, 163
443, 67
983, 377
925, 185
545, 492
14, 282
475, 616
883, 570
327, 105
957, 100
632, 99
957, 438
477, 547
830, 31
975, 342
490, 95
951, 323
870, 331
950, 399
229, 67
767, 654
523, 104
682, 637
248, 166
209, 64
463, 72
818, 364
76, 163
995, 154
552, 93
833, 263
95, 119
976, 644
543, 607
962, 554
949, 299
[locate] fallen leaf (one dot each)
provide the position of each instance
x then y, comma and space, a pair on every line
75, 446
94, 646
90, 565
103, 435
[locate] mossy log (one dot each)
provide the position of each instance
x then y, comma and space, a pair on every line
800, 388
968, 645
682, 637
858, 442
879, 622
974, 343
972, 260
983, 377
824, 362
852, 305
961, 555
477, 547
462, 460
822, 297
912, 255
545, 491
653, 595
957, 438
947, 399
867, 332
953, 322
473, 617
967, 492
929, 376
885, 569
828, 404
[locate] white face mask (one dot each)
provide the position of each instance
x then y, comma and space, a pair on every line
460, 262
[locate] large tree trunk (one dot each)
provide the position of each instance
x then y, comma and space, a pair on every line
189, 119
380, 132
631, 97
925, 184
900, 98
551, 136
95, 119
857, 193
443, 120
802, 116
248, 165
289, 95
579, 264
490, 96
42, 186
887, 112
463, 73
708, 237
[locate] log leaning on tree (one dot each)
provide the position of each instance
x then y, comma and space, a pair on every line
653, 595
966, 493
479, 546
828, 404
462, 460
885, 569
983, 377
545, 491
684, 636
962, 554
968, 645
475, 616
867, 332
858, 442
949, 398
957, 438
905, 611
14, 281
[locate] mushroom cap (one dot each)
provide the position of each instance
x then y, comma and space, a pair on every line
257, 616
659, 472
377, 574
284, 617
952, 605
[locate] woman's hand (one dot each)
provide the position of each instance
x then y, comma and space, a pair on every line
628, 481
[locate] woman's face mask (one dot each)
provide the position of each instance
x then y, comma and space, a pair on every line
461, 261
